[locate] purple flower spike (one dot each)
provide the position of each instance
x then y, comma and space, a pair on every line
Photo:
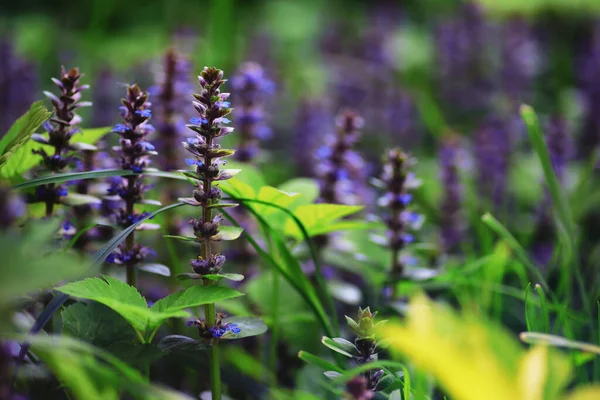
251, 89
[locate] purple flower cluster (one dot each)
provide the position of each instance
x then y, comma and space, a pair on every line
452, 222
340, 169
396, 199
18, 85
492, 156
251, 87
464, 77
61, 127
170, 96
132, 154
210, 125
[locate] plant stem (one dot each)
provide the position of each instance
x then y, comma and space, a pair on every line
213, 351
130, 241
275, 329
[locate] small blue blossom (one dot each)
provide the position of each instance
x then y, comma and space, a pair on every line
233, 328
144, 113
190, 323
217, 331
148, 146
408, 238
192, 161
192, 140
223, 104
110, 259
120, 128
323, 152
198, 121
137, 168
61, 192
404, 198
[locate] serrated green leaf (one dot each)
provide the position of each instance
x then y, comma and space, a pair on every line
194, 296
96, 324
249, 326
21, 131
123, 299
317, 218
22, 160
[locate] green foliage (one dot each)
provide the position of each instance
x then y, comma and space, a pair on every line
31, 262
319, 219
128, 302
22, 159
249, 326
96, 324
20, 132
91, 373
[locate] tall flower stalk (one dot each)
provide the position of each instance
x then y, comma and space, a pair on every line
340, 169
398, 183
132, 154
61, 127
209, 126
452, 223
250, 85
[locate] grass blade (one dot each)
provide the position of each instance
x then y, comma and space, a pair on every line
72, 176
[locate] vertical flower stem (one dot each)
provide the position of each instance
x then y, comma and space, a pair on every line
130, 241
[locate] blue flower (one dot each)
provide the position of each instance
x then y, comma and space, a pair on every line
190, 323
342, 174
144, 113
61, 192
120, 128
137, 168
111, 258
408, 238
404, 198
217, 331
192, 161
192, 140
323, 152
233, 328
198, 121
148, 146
223, 104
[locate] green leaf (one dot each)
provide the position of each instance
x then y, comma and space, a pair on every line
34, 247
538, 338
306, 187
80, 367
228, 233
96, 324
223, 205
21, 131
271, 195
183, 238
76, 199
249, 326
318, 218
158, 269
194, 296
177, 344
218, 277
319, 362
237, 189
340, 345
22, 160
123, 299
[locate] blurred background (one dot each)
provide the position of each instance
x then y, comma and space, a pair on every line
421, 74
